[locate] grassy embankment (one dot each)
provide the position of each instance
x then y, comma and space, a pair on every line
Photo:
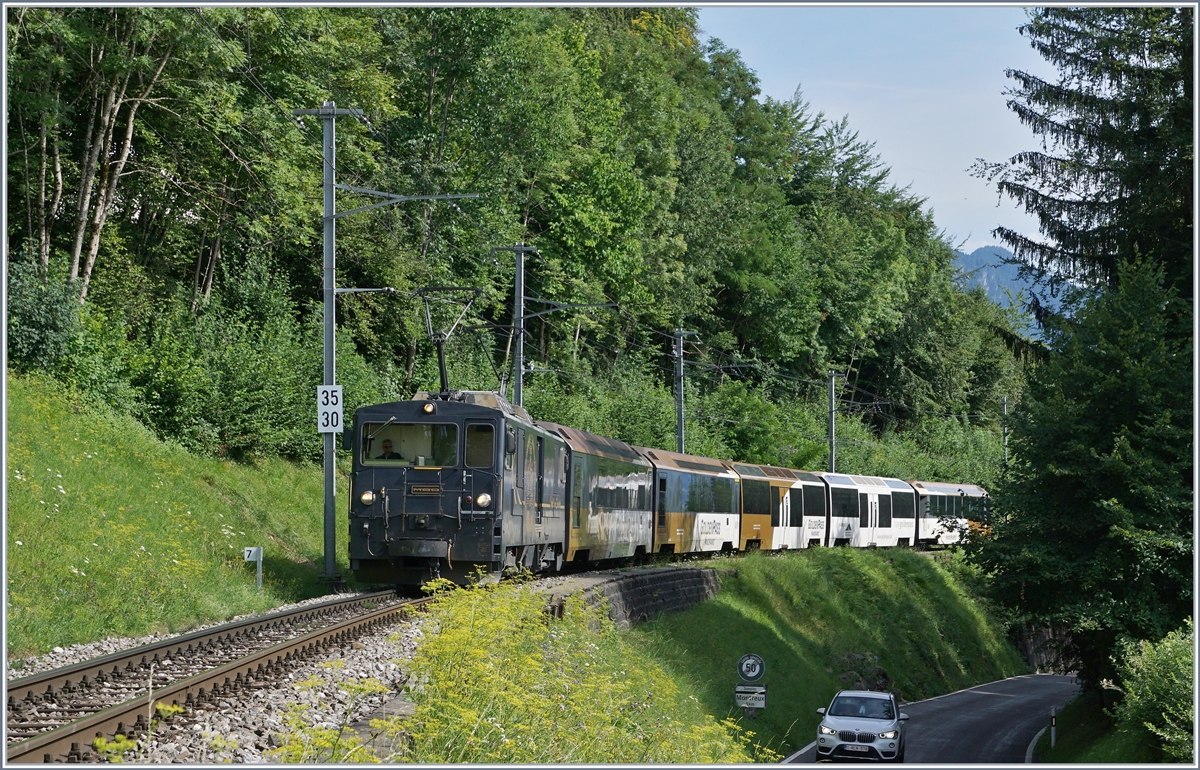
823, 620
113, 532
1087, 735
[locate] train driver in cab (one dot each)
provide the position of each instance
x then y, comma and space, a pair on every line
388, 454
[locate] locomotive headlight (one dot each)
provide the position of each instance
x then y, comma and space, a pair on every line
367, 497
484, 500
427, 408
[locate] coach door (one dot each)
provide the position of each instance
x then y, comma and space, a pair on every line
868, 515
883, 518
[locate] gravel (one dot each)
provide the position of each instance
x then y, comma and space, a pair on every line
246, 729
79, 653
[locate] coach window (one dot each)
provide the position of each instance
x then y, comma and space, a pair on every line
885, 509
577, 492
756, 497
725, 495
864, 510
845, 502
481, 445
814, 501
541, 477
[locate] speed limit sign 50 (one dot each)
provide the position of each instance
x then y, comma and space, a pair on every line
329, 408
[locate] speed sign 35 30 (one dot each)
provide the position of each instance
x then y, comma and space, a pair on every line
329, 408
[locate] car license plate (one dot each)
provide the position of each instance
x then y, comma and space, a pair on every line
856, 748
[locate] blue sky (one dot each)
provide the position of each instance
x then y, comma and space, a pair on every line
924, 83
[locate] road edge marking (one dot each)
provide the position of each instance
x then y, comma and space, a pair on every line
972, 687
788, 761
1029, 751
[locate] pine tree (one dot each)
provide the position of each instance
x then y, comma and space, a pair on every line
1113, 178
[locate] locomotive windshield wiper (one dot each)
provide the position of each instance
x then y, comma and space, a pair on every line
391, 420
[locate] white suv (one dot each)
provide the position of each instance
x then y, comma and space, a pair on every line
862, 725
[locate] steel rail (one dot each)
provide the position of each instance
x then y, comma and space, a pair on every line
128, 660
68, 743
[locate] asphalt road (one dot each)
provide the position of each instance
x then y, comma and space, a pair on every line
989, 723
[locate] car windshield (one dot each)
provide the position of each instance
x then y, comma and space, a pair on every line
859, 706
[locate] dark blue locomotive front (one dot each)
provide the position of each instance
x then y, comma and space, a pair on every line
446, 485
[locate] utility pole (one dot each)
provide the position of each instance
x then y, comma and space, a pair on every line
519, 317
832, 412
328, 112
679, 335
519, 324
518, 250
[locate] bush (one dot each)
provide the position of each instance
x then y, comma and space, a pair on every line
1157, 681
43, 316
238, 378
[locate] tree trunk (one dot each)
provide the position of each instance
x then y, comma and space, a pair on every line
214, 256
112, 170
197, 276
87, 175
52, 215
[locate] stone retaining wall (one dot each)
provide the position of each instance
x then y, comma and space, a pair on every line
637, 595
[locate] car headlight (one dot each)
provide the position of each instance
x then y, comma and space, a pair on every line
827, 730
367, 497
889, 734
484, 500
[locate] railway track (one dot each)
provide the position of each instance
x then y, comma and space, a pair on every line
56, 716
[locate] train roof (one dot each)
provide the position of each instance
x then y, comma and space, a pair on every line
663, 458
806, 476
836, 479
593, 444
870, 481
486, 398
943, 488
763, 471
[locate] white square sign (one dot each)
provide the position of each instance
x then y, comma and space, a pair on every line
329, 408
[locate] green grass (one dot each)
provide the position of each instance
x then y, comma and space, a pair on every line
1087, 735
113, 532
804, 612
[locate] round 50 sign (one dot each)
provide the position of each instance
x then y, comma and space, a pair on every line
751, 668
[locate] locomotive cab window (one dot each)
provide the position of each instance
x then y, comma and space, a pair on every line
481, 445
405, 444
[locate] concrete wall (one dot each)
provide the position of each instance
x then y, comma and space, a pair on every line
636, 595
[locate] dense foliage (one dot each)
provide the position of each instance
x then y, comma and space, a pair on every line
1097, 536
1095, 532
1159, 691
156, 172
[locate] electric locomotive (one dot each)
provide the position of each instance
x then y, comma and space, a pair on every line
428, 480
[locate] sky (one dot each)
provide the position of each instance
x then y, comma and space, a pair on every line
925, 84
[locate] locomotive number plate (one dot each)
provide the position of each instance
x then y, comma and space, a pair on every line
424, 489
